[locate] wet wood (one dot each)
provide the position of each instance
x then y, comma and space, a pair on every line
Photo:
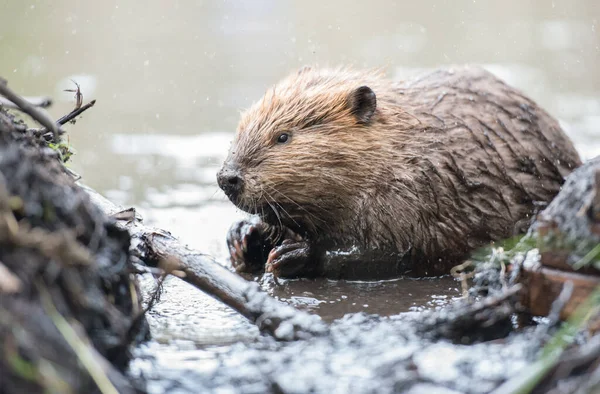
559, 260
42, 102
158, 248
566, 233
545, 284
30, 109
75, 113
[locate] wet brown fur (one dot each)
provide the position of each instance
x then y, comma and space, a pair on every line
448, 162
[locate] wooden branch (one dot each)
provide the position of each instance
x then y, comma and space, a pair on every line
35, 113
155, 246
41, 101
545, 284
75, 113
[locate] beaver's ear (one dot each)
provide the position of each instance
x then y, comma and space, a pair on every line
362, 103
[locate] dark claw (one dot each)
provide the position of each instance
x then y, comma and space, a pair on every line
247, 234
290, 259
248, 245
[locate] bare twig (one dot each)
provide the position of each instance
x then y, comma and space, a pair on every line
41, 101
76, 112
37, 115
78, 95
458, 272
559, 303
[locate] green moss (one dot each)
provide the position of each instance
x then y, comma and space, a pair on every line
582, 252
22, 367
65, 151
504, 251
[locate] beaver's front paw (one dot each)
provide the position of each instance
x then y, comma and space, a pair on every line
291, 259
248, 245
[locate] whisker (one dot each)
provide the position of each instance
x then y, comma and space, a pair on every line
275, 190
282, 208
275, 233
289, 199
311, 217
276, 213
272, 207
216, 191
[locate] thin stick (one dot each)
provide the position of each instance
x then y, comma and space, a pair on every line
73, 114
42, 102
37, 115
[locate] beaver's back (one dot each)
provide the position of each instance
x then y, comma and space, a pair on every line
492, 155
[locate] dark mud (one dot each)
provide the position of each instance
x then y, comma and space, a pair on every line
362, 354
69, 304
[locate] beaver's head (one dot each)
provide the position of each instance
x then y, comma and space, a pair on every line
306, 150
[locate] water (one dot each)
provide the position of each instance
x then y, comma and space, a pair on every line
171, 77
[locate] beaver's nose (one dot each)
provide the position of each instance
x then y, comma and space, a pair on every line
230, 181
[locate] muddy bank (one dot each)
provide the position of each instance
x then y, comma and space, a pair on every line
363, 354
69, 303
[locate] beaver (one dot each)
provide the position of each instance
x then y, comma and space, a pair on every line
351, 175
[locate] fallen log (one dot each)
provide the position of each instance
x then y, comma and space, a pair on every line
567, 234
158, 248
545, 285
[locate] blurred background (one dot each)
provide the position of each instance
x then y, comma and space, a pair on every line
170, 77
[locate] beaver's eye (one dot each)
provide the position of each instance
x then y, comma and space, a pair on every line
283, 138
